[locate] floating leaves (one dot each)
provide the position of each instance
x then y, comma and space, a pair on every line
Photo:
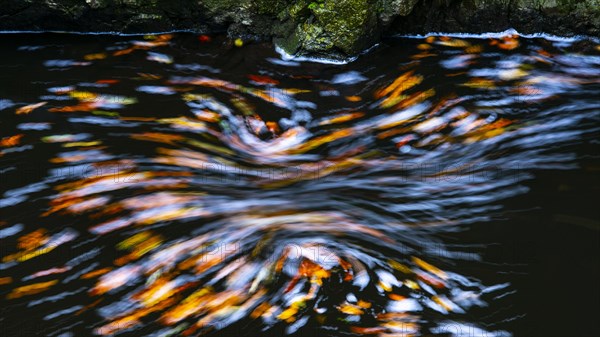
401, 83
251, 194
394, 91
153, 41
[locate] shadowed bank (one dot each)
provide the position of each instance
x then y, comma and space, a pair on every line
334, 29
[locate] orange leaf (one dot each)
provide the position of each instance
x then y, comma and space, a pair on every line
11, 141
367, 331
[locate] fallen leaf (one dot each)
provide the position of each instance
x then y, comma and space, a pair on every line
350, 309
11, 141
30, 289
29, 108
98, 56
263, 79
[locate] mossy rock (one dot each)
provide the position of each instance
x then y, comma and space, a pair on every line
340, 27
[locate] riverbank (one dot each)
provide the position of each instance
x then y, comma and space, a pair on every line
329, 28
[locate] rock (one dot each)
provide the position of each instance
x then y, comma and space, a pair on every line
339, 28
330, 28
343, 27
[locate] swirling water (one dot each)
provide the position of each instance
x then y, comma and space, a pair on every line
177, 185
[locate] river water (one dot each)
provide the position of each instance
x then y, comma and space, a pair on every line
180, 185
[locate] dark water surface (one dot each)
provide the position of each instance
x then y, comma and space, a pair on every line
177, 185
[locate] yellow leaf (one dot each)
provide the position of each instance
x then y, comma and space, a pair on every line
400, 267
316, 142
30, 289
342, 118
83, 95
432, 269
134, 240
350, 309
455, 43
98, 56
474, 49
480, 83
364, 304
412, 284
395, 96
82, 144
288, 313
293, 91
442, 302
35, 253
397, 82
512, 74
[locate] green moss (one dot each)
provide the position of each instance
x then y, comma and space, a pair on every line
339, 26
345, 25
315, 26
315, 5
298, 9
269, 7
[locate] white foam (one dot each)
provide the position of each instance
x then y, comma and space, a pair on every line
497, 35
297, 58
288, 57
285, 57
